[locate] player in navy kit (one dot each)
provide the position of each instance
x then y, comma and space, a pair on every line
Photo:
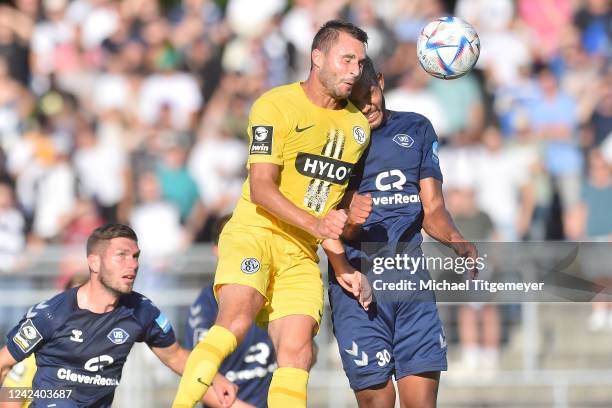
82, 336
252, 364
399, 181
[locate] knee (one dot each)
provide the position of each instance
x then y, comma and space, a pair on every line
238, 324
295, 355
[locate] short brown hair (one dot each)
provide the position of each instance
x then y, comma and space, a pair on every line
369, 75
328, 34
108, 232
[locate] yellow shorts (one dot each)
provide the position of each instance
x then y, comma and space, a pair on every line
283, 273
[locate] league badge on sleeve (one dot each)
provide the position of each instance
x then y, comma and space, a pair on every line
262, 139
163, 323
434, 152
27, 336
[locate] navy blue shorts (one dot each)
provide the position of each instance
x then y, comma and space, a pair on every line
395, 337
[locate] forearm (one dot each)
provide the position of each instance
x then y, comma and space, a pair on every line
439, 225
335, 254
351, 231
269, 197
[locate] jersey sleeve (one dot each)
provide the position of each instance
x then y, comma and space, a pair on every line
158, 330
31, 333
430, 163
267, 130
202, 315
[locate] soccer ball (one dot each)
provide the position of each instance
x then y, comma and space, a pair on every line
448, 48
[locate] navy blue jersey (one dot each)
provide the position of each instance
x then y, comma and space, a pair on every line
250, 366
401, 153
85, 351
401, 334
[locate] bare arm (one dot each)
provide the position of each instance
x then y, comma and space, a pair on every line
358, 207
348, 277
266, 194
174, 357
6, 362
438, 223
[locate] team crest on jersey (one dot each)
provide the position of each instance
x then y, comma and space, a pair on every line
262, 139
118, 335
27, 336
359, 135
249, 266
403, 140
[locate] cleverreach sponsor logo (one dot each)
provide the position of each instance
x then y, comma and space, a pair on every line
397, 198
67, 374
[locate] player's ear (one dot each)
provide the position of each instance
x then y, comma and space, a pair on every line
93, 261
381, 80
317, 58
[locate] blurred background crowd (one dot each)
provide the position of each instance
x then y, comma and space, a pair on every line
136, 110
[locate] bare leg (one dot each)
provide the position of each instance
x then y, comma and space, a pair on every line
380, 396
419, 391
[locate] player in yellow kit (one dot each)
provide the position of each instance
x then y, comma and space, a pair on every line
305, 140
20, 376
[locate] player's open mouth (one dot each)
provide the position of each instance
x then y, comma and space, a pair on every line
129, 277
372, 116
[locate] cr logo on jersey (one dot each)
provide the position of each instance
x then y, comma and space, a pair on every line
249, 266
96, 364
387, 180
403, 140
118, 335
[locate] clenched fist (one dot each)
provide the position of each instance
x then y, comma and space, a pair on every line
331, 226
359, 209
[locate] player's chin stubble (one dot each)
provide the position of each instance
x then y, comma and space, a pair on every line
332, 84
115, 288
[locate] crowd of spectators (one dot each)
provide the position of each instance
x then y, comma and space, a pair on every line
136, 110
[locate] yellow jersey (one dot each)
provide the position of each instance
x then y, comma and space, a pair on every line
21, 376
316, 148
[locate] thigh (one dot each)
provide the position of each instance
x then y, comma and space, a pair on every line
378, 396
244, 258
364, 339
419, 390
295, 287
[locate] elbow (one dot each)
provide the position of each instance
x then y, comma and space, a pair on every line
258, 193
255, 194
